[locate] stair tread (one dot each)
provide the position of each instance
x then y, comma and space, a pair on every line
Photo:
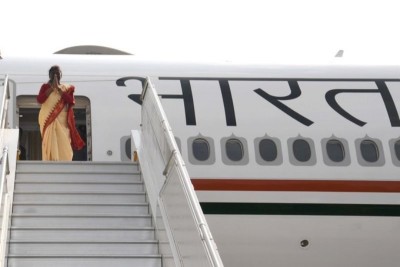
74, 172
80, 204
73, 182
85, 256
83, 242
80, 192
77, 163
82, 228
82, 216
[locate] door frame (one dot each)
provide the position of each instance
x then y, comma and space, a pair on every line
82, 104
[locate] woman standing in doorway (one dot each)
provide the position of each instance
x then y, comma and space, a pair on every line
56, 119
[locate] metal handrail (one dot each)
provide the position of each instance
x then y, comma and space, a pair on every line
188, 187
6, 186
3, 105
6, 206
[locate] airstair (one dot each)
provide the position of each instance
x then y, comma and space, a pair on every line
81, 214
74, 214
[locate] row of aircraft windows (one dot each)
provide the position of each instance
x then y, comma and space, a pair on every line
301, 151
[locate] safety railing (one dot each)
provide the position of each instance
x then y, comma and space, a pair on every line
170, 189
6, 186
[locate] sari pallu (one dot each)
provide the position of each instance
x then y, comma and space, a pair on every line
57, 124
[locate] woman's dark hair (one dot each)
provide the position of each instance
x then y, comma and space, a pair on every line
52, 70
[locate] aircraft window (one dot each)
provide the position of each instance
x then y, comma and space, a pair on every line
335, 150
201, 149
268, 150
397, 149
128, 148
301, 150
369, 151
234, 149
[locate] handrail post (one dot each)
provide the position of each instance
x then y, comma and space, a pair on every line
5, 96
170, 160
4, 170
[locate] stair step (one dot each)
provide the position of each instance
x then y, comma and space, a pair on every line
73, 198
81, 234
81, 209
79, 187
85, 261
76, 166
80, 221
78, 177
145, 247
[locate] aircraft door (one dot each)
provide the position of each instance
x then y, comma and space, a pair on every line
30, 139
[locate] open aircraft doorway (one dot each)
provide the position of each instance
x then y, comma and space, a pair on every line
30, 139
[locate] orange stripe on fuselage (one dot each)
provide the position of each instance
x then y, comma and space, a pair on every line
296, 185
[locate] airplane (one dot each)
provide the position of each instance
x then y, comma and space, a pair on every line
293, 164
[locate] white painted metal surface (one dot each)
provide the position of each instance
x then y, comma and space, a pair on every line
187, 229
8, 162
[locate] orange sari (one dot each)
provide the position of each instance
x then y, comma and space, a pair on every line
57, 124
